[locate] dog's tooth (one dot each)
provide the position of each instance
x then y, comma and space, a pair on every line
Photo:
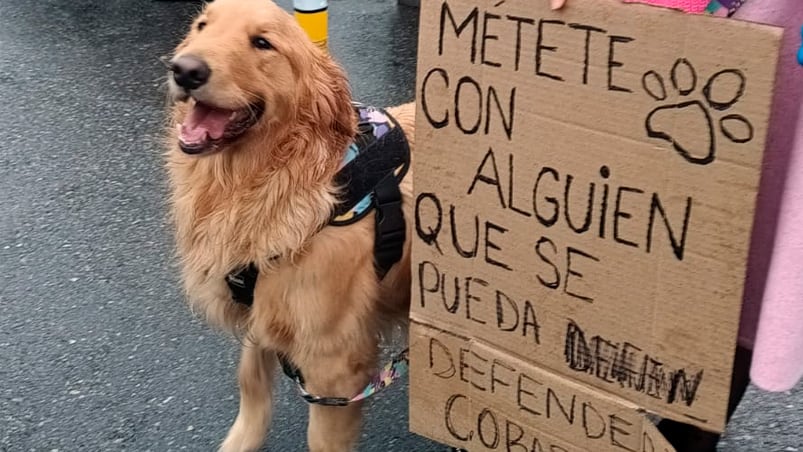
232, 115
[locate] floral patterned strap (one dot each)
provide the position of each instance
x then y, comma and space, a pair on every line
395, 369
723, 8
391, 372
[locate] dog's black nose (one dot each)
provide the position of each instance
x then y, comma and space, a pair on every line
190, 72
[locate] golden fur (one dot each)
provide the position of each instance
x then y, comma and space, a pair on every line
270, 193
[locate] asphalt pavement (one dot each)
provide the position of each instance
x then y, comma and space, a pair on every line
98, 351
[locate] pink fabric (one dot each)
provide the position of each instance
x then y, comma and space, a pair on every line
773, 308
772, 315
690, 6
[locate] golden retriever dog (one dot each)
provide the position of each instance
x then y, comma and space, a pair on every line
260, 123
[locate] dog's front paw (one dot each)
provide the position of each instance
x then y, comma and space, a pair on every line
243, 438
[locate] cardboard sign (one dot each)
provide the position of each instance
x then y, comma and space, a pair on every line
585, 182
480, 396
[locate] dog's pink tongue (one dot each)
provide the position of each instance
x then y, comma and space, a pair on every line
202, 122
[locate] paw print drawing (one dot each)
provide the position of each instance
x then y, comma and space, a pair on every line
690, 124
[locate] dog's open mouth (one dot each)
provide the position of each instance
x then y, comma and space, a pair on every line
207, 126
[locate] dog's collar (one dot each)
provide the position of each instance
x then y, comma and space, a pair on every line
391, 372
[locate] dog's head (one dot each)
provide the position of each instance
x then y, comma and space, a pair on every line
247, 64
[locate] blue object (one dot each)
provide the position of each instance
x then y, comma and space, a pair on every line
800, 51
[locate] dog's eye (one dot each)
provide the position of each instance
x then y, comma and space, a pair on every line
261, 43
201, 25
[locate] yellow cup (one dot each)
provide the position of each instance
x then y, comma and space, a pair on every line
315, 23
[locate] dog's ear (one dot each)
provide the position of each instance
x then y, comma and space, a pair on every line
328, 95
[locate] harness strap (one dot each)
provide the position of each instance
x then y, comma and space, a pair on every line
379, 148
392, 371
390, 229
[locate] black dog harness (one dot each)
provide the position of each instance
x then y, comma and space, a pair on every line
372, 169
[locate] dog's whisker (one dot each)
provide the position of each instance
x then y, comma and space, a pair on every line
246, 94
251, 112
165, 60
